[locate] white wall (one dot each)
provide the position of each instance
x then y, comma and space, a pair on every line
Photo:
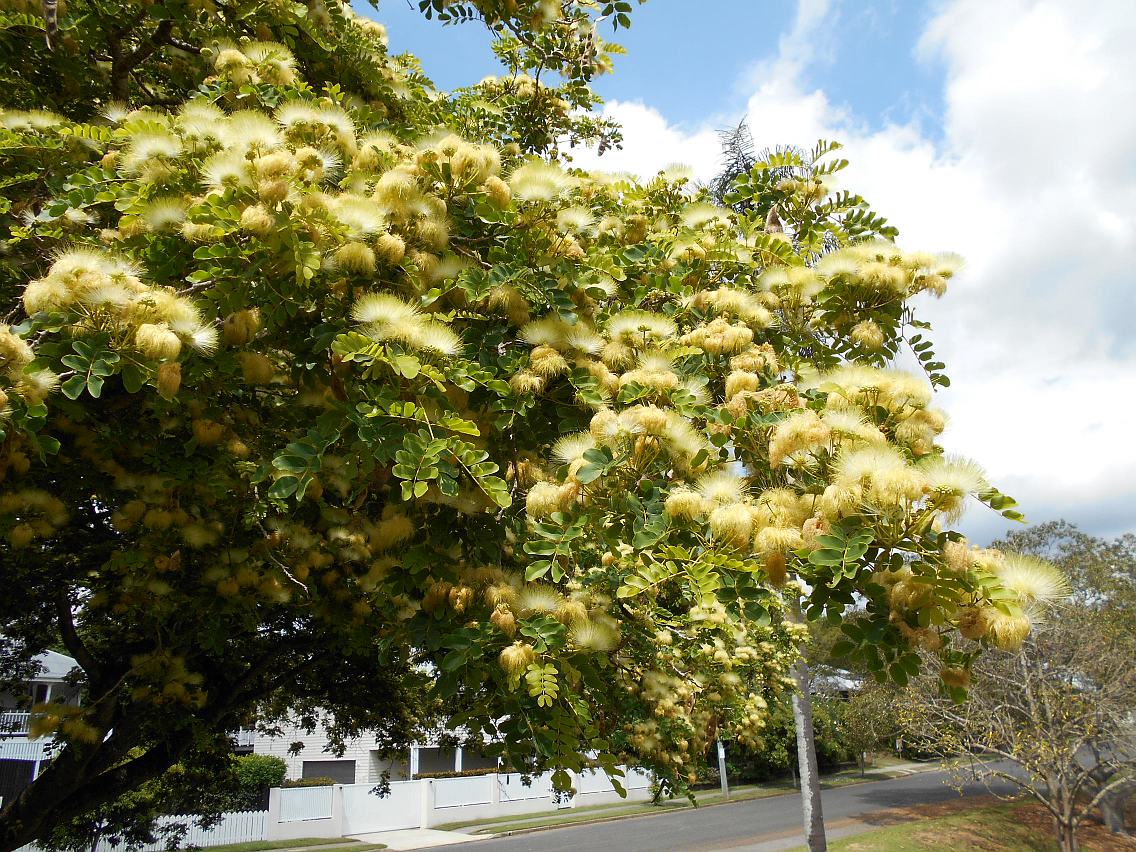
353, 809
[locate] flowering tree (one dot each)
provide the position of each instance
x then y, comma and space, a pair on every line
322, 390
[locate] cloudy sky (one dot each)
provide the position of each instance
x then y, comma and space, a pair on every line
1005, 131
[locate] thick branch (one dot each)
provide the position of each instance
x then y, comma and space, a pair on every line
123, 65
71, 639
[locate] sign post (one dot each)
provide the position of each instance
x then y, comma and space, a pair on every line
722, 770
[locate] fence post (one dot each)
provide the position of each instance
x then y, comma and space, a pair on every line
337, 809
427, 801
272, 821
495, 795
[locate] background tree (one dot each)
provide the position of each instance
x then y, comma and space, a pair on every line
322, 396
868, 720
1059, 709
1057, 712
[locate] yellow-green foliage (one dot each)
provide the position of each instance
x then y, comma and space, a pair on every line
364, 366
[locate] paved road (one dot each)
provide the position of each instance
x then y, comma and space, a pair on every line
758, 824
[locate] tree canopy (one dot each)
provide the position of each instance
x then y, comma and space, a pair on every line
323, 390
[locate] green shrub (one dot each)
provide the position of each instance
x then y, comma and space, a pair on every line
465, 773
255, 774
322, 781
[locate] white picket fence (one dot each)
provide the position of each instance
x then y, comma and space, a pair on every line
341, 810
234, 827
237, 827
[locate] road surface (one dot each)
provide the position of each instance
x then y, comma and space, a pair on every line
759, 824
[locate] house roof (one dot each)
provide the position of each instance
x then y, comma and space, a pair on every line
829, 680
53, 666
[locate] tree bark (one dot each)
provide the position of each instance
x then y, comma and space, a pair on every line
1066, 835
807, 760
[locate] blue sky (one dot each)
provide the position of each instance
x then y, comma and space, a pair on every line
695, 66
1004, 131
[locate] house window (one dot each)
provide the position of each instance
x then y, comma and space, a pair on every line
434, 759
339, 771
39, 692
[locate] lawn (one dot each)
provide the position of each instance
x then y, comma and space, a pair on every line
954, 826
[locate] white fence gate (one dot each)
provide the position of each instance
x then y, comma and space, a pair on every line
593, 781
364, 811
300, 803
513, 788
636, 779
461, 792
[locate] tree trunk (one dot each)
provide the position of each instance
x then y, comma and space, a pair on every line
1066, 835
807, 760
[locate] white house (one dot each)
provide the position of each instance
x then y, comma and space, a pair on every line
22, 756
361, 762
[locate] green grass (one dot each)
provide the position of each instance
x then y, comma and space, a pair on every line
995, 827
263, 845
852, 776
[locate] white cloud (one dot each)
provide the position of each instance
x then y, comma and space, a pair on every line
1034, 181
650, 144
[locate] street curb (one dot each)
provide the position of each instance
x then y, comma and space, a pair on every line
616, 818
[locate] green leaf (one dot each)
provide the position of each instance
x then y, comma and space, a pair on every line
537, 570
842, 648
589, 473
898, 674
284, 487
132, 378
406, 366
74, 387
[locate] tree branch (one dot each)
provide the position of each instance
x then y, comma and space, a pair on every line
71, 639
122, 66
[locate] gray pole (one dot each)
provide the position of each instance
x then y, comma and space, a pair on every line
806, 751
722, 769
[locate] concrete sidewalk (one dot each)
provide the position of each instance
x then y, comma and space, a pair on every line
416, 838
